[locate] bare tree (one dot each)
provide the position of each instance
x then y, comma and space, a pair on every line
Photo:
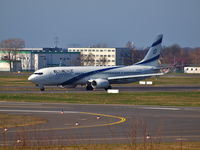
195, 55
129, 58
10, 48
87, 60
174, 55
103, 61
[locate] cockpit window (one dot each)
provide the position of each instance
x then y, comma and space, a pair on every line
38, 73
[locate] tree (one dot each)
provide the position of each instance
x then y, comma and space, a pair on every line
195, 56
175, 55
10, 48
87, 60
129, 58
102, 61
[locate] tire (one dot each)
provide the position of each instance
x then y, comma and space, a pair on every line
110, 87
89, 88
42, 89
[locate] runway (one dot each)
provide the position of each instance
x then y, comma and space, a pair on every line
32, 89
87, 124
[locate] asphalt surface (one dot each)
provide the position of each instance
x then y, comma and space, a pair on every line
147, 88
80, 124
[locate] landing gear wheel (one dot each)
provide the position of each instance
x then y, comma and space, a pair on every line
42, 89
89, 88
110, 87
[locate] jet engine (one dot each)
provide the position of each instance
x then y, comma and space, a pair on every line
100, 83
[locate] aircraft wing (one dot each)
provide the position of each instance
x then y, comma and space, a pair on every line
135, 76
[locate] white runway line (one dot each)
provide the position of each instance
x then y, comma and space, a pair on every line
161, 108
35, 111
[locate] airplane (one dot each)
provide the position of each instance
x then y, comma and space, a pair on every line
102, 77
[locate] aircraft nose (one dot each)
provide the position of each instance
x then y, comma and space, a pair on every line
31, 78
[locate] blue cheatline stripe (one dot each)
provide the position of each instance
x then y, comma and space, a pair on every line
148, 61
156, 42
83, 75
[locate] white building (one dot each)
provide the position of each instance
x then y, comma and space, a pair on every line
36, 58
102, 56
191, 69
10, 66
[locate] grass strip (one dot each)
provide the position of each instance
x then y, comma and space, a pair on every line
10, 120
132, 146
191, 98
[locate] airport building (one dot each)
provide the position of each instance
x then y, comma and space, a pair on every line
31, 59
191, 69
6, 65
103, 56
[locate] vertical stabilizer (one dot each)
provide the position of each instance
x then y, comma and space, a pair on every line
151, 58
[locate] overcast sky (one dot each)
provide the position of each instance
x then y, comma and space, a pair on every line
87, 22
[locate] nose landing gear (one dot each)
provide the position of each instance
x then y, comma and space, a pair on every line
41, 87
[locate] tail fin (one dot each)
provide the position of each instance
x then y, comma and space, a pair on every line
151, 58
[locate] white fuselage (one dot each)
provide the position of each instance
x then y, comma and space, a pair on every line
73, 76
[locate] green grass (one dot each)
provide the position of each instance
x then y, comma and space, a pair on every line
135, 98
177, 80
14, 80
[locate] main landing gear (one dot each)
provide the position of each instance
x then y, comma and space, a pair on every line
89, 86
110, 87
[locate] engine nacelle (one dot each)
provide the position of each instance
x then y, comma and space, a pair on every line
100, 83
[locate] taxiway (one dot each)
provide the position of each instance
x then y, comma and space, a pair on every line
81, 123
